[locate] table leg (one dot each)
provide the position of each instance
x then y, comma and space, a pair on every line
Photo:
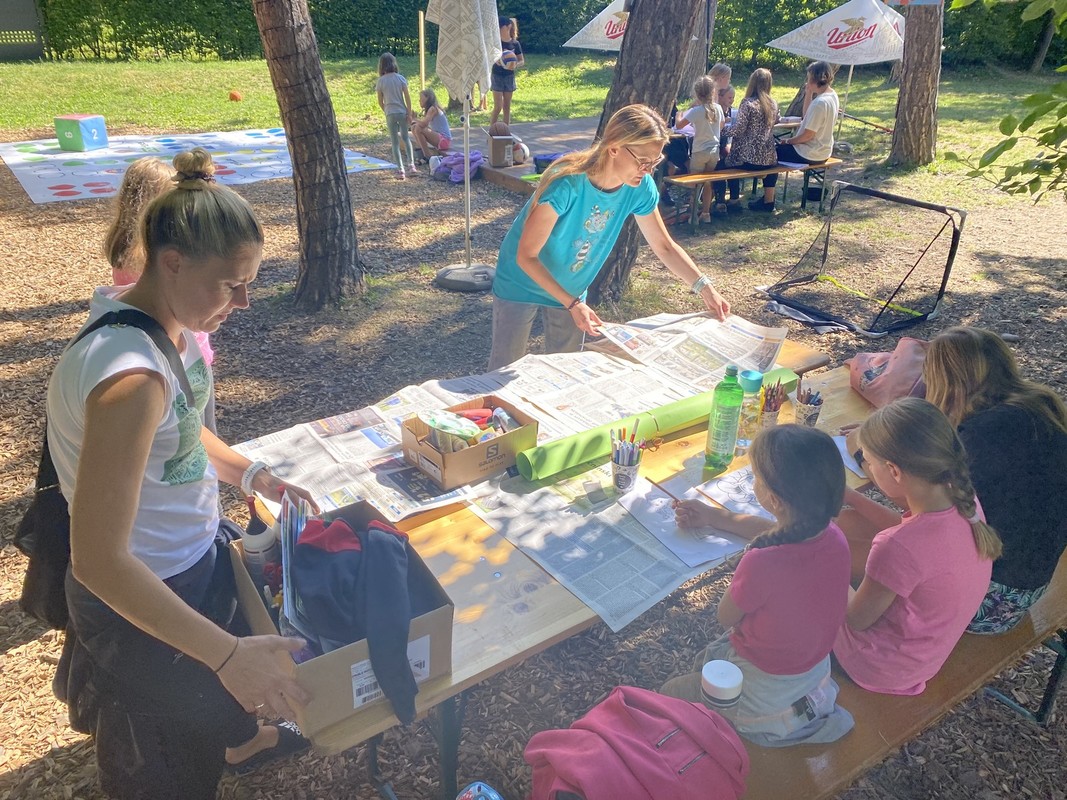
385, 789
450, 714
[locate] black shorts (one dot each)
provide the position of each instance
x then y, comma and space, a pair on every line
503, 83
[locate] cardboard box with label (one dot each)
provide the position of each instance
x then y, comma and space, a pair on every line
449, 470
342, 682
501, 151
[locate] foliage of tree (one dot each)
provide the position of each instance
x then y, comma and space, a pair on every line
1044, 123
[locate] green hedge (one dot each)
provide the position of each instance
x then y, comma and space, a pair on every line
145, 29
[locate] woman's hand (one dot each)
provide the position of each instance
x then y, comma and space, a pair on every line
586, 319
715, 303
272, 487
260, 676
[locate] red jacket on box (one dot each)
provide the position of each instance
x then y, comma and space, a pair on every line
640, 745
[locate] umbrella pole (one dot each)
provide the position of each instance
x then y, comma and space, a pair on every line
467, 168
844, 105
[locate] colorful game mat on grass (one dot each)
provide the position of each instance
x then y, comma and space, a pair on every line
49, 174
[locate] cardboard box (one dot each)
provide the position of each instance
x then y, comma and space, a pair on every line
341, 682
501, 151
81, 132
449, 470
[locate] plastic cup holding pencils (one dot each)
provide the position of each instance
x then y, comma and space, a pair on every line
773, 397
625, 460
807, 407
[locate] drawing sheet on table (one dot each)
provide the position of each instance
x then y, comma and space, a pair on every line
654, 509
850, 462
736, 491
577, 532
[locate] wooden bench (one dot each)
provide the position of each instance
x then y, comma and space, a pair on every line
885, 722
694, 183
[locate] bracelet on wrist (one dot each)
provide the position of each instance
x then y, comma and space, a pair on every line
700, 283
225, 661
574, 302
249, 475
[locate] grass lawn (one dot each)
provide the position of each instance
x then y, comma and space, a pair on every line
181, 97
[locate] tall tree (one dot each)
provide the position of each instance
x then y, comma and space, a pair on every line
651, 38
329, 254
915, 130
699, 44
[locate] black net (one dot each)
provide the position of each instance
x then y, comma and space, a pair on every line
880, 263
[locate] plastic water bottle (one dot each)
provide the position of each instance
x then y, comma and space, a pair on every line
479, 791
722, 422
748, 425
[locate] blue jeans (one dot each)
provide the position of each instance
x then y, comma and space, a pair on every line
512, 323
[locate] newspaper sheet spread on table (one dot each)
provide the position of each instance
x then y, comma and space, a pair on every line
577, 532
695, 348
357, 456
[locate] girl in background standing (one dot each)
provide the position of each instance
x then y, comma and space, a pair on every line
395, 102
706, 118
503, 72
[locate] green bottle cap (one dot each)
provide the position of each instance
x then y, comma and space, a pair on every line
731, 369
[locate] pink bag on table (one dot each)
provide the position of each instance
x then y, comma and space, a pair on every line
884, 377
640, 745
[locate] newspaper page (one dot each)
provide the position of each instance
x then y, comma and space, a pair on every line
589, 543
695, 349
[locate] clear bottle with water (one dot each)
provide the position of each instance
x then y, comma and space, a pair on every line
722, 422
751, 383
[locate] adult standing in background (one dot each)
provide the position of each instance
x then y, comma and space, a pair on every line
813, 142
503, 73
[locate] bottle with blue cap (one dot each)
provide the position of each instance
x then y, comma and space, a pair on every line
751, 403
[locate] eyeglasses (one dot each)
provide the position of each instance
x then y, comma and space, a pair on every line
858, 455
645, 164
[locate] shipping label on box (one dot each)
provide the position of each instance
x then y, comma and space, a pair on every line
365, 688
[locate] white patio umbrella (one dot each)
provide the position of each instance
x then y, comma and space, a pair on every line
859, 32
468, 43
605, 30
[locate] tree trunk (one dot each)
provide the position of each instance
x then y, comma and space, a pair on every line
894, 74
329, 254
696, 57
915, 131
1046, 41
651, 38
796, 105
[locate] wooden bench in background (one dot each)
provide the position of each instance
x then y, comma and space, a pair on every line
885, 722
694, 183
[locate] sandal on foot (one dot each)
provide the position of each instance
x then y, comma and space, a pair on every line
290, 741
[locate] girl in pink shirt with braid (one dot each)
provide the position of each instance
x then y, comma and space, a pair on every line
928, 570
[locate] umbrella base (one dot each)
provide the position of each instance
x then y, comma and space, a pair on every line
466, 277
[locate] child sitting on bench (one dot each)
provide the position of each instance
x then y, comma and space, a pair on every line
927, 571
788, 595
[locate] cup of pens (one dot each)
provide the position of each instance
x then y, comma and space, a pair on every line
807, 407
773, 397
625, 459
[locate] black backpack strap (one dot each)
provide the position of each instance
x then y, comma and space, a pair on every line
46, 471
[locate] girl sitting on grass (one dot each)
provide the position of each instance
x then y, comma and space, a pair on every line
788, 596
927, 571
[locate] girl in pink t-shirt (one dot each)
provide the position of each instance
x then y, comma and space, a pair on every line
145, 179
788, 595
927, 571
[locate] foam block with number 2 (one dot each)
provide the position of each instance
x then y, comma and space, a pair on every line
80, 132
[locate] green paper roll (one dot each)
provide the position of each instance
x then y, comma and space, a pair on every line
542, 462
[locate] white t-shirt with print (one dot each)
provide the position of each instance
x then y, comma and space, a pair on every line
177, 515
820, 118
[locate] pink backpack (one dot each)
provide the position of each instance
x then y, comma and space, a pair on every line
640, 745
884, 377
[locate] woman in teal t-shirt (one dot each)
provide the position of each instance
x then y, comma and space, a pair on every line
564, 234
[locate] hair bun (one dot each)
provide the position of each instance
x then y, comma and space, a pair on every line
195, 168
